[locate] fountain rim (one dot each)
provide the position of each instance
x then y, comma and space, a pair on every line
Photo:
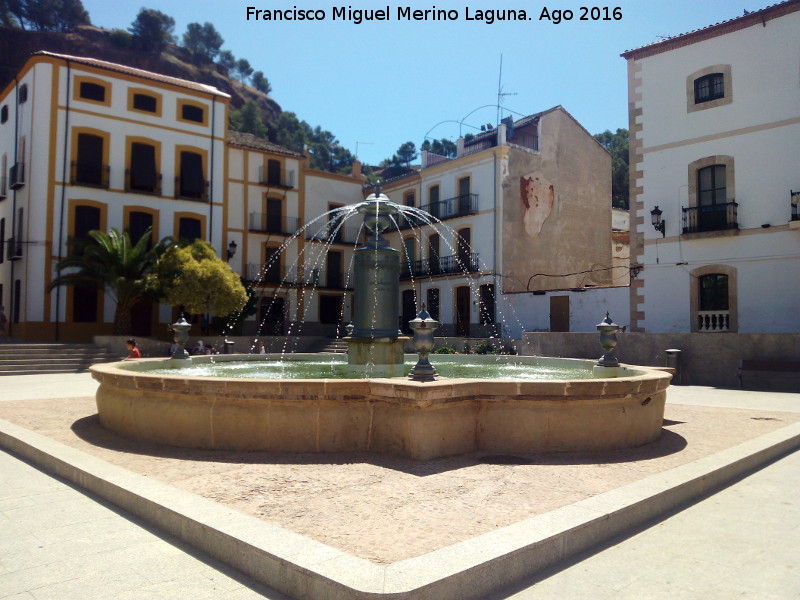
571, 386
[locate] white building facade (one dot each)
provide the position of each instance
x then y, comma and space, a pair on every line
715, 155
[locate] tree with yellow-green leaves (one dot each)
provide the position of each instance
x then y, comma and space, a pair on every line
195, 278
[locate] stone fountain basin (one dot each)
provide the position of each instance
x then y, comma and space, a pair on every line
394, 415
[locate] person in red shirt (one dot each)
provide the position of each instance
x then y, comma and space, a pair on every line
132, 349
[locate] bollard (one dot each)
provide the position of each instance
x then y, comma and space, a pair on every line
674, 362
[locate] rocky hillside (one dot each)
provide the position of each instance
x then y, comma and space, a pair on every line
16, 45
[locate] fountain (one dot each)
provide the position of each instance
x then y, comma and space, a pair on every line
375, 345
421, 417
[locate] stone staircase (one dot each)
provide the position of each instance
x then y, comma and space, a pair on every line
331, 345
37, 359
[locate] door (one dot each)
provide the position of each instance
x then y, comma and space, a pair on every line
142, 318
272, 316
559, 313
462, 311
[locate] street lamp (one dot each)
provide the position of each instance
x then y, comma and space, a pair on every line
658, 223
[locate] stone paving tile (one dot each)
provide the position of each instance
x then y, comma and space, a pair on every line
58, 544
739, 543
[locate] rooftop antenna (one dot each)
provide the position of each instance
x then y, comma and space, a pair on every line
500, 93
357, 143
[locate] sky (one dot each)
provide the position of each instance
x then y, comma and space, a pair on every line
378, 84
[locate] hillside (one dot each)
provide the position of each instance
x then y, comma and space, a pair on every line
17, 44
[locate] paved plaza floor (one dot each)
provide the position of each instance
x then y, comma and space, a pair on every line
58, 542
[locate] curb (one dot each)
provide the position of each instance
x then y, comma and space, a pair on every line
305, 569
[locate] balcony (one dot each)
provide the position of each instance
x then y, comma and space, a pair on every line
465, 204
274, 275
716, 217
187, 188
264, 223
445, 265
89, 175
143, 183
277, 275
16, 176
322, 278
282, 178
713, 321
330, 234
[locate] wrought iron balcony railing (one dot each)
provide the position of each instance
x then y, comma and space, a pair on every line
143, 184
465, 204
444, 265
89, 175
265, 223
191, 189
715, 217
344, 234
278, 275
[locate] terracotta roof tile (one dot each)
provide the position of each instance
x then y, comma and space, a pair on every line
117, 68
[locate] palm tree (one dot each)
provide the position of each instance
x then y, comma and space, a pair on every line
112, 263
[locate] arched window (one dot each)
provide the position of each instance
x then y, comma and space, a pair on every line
714, 299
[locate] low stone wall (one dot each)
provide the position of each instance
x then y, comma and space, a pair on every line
154, 348
705, 359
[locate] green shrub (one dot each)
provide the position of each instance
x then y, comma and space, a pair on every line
445, 350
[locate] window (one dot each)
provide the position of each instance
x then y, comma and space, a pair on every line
190, 229
333, 264
434, 258
709, 87
433, 201
273, 172
711, 198
463, 241
92, 91
713, 304
143, 175
272, 265
274, 215
4, 113
145, 103
84, 304
138, 223
2, 241
191, 182
409, 251
86, 219
192, 112
22, 93
89, 169
713, 299
408, 199
433, 302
